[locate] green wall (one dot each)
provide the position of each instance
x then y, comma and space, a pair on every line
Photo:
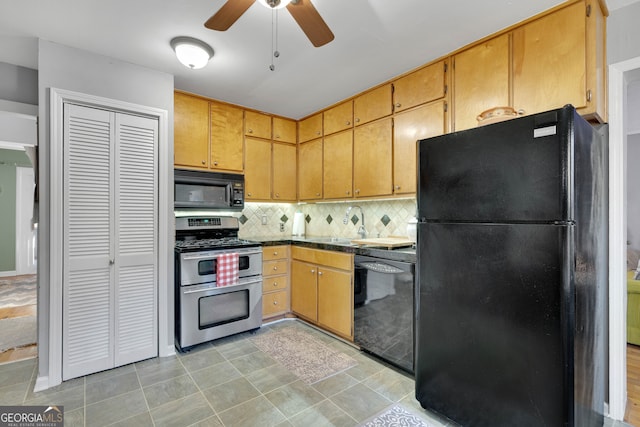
9, 160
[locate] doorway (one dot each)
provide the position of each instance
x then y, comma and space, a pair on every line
18, 275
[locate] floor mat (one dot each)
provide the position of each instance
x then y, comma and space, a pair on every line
302, 354
396, 416
17, 332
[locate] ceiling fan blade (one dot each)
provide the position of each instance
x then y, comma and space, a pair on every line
311, 22
228, 14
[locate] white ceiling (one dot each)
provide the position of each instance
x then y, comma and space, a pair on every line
375, 40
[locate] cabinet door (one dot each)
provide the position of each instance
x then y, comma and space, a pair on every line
310, 128
226, 137
419, 87
190, 131
372, 105
409, 127
257, 125
310, 170
338, 165
284, 130
372, 151
304, 289
338, 118
257, 176
335, 301
284, 172
549, 62
480, 81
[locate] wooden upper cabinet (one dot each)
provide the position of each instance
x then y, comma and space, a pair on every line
310, 128
338, 165
549, 61
257, 125
409, 127
422, 86
480, 81
257, 175
191, 131
372, 105
284, 172
372, 158
338, 118
310, 170
226, 137
284, 130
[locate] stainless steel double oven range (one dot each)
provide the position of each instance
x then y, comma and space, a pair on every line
204, 310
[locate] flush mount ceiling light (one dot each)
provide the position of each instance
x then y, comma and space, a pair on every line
192, 53
274, 4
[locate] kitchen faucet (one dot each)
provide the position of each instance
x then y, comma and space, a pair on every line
362, 232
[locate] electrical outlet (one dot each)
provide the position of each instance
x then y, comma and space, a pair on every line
264, 220
282, 227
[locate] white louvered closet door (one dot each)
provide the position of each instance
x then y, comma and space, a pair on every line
109, 272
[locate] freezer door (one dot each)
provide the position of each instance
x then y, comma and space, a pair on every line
520, 170
495, 309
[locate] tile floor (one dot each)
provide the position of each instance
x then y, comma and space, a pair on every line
229, 382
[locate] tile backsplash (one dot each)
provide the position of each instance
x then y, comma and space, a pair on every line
383, 218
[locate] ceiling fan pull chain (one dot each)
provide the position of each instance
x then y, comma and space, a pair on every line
273, 26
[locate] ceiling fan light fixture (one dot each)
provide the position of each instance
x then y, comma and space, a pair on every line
192, 53
274, 4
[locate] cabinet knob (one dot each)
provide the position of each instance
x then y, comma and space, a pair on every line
397, 187
275, 303
277, 136
319, 273
318, 194
313, 271
204, 162
248, 194
318, 133
275, 268
521, 112
348, 192
348, 123
215, 163
398, 105
275, 284
277, 195
275, 253
250, 130
357, 191
357, 120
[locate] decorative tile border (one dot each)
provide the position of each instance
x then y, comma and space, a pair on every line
383, 218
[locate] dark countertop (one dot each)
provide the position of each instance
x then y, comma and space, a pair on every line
407, 254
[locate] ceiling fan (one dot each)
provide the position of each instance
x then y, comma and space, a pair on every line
302, 11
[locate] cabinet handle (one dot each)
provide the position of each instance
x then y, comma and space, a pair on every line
250, 130
204, 162
398, 105
397, 187
313, 271
275, 253
275, 284
275, 303
521, 112
275, 268
215, 163
319, 273
357, 120
348, 192
348, 123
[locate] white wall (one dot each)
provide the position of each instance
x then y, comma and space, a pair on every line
76, 70
633, 191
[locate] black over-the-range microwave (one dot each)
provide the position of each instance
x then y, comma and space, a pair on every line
208, 190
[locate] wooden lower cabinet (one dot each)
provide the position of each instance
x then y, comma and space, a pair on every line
275, 281
322, 289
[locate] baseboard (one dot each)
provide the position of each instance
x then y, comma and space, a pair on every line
8, 273
42, 383
170, 350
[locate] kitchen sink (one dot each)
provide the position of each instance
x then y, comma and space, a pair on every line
332, 240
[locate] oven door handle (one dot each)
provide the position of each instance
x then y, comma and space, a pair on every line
211, 288
215, 255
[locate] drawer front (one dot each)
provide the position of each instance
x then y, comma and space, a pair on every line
275, 252
271, 268
275, 302
274, 283
333, 259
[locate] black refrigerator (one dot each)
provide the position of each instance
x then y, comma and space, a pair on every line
512, 273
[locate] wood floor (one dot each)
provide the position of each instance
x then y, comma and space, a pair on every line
19, 353
632, 415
